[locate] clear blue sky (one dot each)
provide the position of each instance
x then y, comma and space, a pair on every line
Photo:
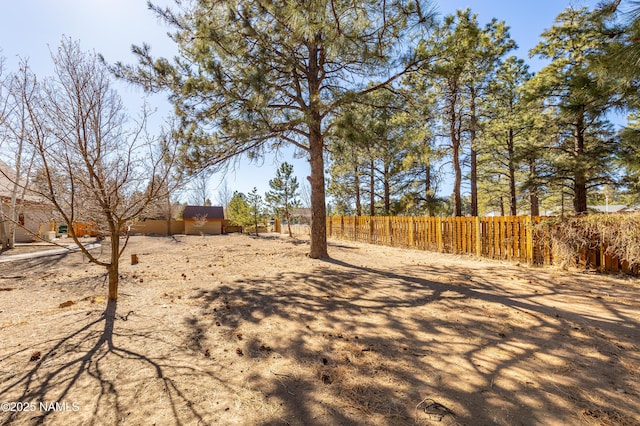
30, 28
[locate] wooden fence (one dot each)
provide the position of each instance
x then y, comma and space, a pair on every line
504, 238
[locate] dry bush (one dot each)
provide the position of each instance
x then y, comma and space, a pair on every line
569, 237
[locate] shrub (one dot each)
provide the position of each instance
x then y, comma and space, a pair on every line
618, 235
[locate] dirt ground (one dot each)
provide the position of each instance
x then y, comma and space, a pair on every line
240, 330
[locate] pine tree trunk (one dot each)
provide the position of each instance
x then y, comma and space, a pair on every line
474, 182
387, 195
457, 180
428, 197
372, 184
474, 155
513, 208
580, 179
356, 183
534, 201
534, 204
455, 153
318, 247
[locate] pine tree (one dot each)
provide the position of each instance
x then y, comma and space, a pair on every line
256, 209
580, 99
238, 211
253, 74
464, 58
283, 196
503, 135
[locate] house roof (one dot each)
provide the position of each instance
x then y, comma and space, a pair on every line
210, 212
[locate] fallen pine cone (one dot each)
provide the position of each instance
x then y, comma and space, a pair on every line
35, 356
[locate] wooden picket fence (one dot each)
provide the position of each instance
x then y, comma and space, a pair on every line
508, 238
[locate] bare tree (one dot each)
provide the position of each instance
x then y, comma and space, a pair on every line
225, 194
199, 221
92, 165
305, 195
200, 189
21, 88
3, 117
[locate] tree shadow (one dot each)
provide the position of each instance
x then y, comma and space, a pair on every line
342, 341
79, 362
367, 345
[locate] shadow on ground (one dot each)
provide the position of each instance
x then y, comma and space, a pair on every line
377, 346
341, 342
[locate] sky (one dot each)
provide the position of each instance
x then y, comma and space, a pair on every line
31, 29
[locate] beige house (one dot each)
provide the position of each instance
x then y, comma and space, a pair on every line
32, 214
203, 220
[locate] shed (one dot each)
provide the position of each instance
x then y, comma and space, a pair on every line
203, 220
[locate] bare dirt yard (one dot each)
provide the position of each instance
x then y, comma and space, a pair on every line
224, 330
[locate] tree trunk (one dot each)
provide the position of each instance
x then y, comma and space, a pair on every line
356, 183
474, 155
372, 184
387, 198
113, 268
169, 215
534, 201
455, 153
534, 204
513, 208
255, 222
318, 247
580, 179
457, 181
113, 281
3, 230
428, 197
474, 182
288, 216
387, 194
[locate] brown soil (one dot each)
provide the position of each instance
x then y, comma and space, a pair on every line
240, 330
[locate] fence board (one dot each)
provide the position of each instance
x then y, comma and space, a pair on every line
502, 238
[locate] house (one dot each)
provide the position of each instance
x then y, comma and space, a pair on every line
203, 220
32, 213
301, 215
611, 208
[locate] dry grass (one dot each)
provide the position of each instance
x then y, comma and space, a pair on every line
237, 330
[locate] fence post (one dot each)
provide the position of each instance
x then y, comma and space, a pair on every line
355, 228
387, 230
411, 231
439, 234
478, 236
529, 236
